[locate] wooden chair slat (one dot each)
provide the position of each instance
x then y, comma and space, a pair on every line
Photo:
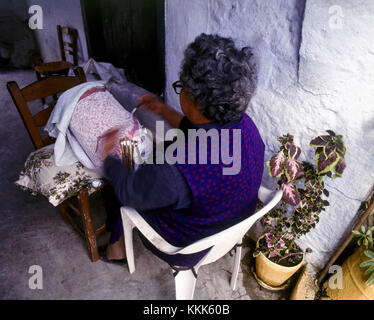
25, 114
68, 44
69, 51
41, 89
48, 87
60, 40
67, 30
41, 118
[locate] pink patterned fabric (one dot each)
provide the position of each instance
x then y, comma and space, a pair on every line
96, 112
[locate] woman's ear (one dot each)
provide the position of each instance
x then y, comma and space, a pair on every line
190, 109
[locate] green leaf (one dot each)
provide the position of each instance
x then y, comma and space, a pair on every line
369, 254
363, 229
356, 233
370, 281
369, 271
366, 263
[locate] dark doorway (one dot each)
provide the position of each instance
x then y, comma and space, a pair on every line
130, 35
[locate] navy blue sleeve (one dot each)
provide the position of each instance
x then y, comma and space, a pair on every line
152, 186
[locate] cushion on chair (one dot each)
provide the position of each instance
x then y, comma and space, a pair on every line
56, 183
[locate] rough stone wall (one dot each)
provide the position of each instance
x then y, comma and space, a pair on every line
316, 65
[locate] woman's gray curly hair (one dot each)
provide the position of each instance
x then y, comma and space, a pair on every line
219, 77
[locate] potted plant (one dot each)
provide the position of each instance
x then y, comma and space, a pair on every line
357, 283
277, 254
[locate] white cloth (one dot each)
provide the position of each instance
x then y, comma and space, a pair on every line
67, 150
101, 70
58, 126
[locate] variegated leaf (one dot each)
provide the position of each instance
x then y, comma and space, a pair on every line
290, 194
324, 164
340, 148
287, 138
320, 141
329, 148
339, 168
317, 142
275, 164
292, 169
294, 151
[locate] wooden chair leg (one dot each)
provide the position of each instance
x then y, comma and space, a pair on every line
67, 217
88, 225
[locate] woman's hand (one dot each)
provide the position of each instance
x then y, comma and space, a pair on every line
109, 142
153, 103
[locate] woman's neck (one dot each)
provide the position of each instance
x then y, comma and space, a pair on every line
196, 117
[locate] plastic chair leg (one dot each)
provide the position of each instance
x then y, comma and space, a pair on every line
128, 230
184, 285
234, 276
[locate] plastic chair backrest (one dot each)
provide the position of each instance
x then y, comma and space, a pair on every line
227, 239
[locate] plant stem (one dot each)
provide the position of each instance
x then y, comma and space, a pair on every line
289, 255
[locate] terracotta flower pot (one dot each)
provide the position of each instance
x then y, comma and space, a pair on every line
272, 273
353, 278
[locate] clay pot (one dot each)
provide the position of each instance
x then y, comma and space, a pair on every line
271, 273
353, 280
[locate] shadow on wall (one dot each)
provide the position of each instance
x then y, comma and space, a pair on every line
18, 47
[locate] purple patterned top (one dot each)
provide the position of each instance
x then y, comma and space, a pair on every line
219, 201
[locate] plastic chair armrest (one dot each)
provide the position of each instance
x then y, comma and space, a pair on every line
147, 231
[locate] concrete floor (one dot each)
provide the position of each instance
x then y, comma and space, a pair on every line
33, 233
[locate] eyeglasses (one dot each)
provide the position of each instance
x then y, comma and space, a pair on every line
177, 86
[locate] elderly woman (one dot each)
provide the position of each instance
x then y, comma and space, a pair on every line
185, 202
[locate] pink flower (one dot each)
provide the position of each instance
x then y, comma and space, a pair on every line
273, 253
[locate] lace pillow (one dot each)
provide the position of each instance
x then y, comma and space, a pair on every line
95, 114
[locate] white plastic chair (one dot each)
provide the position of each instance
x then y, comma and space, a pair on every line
219, 243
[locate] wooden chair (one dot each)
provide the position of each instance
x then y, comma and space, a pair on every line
46, 87
46, 69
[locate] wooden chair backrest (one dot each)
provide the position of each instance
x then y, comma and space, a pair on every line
70, 48
40, 89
